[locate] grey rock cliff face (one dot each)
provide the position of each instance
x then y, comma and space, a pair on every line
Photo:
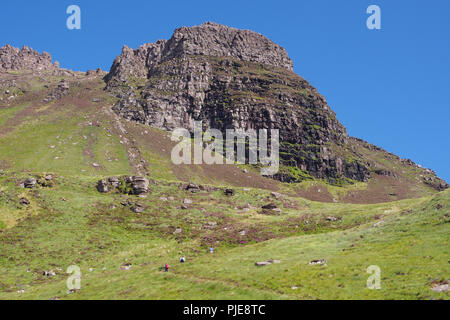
237, 79
231, 79
25, 59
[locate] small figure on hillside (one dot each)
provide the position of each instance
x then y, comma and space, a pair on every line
211, 250
182, 260
166, 267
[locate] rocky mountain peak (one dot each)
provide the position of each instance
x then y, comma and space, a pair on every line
238, 79
12, 58
214, 39
208, 39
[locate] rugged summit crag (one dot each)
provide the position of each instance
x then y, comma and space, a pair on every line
209, 39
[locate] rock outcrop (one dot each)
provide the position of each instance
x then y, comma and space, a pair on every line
208, 39
238, 79
25, 59
128, 185
61, 90
232, 79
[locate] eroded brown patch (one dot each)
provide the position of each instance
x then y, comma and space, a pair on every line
382, 189
316, 193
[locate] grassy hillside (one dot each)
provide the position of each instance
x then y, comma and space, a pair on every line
78, 140
408, 240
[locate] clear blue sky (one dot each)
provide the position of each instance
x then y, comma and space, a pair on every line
390, 87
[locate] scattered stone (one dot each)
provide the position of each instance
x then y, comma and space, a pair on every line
192, 187
270, 206
29, 183
276, 195
72, 291
318, 262
266, 263
102, 186
24, 201
210, 225
442, 286
126, 266
187, 201
49, 273
270, 209
139, 185
114, 181
95, 165
379, 223
229, 192
386, 173
138, 208
178, 231
274, 261
332, 219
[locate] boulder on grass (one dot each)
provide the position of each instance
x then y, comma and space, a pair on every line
102, 186
29, 183
139, 185
229, 192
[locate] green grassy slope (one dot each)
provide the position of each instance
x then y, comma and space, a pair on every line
410, 246
70, 223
